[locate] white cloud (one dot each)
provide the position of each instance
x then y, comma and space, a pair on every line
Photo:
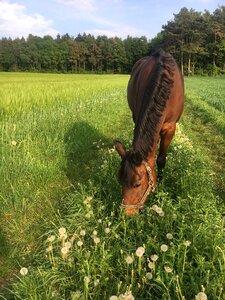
80, 5
120, 31
15, 22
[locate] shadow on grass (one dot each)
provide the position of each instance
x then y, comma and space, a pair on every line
82, 145
88, 160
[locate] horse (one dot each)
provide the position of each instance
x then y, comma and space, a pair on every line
155, 95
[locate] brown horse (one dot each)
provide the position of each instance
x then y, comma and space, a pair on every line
156, 99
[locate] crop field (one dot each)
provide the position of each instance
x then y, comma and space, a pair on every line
63, 233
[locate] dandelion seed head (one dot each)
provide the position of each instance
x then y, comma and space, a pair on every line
154, 257
148, 275
129, 259
51, 238
79, 243
64, 250
62, 231
107, 230
68, 245
168, 269
140, 251
23, 271
151, 265
201, 296
164, 247
162, 214
113, 298
169, 236
96, 240
82, 232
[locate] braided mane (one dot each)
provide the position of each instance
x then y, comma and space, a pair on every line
155, 99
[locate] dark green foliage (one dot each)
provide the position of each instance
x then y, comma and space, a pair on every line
195, 39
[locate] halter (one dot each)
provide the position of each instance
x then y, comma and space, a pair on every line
151, 187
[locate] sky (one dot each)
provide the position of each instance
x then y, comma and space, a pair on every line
19, 18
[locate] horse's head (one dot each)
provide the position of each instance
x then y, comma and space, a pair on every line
136, 178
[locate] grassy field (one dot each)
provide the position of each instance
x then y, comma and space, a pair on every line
63, 234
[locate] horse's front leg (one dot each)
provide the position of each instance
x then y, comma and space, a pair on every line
166, 135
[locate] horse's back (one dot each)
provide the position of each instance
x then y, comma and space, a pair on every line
144, 70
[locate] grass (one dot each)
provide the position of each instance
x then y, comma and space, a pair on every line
59, 170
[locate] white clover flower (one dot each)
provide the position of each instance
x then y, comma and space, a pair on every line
164, 247
68, 245
51, 238
99, 221
82, 232
169, 236
107, 230
95, 233
96, 240
140, 251
154, 257
14, 143
23, 271
79, 243
62, 231
187, 243
129, 259
201, 296
168, 269
148, 275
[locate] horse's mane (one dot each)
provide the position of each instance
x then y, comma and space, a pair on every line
155, 98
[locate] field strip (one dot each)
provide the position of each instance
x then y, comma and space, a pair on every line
206, 125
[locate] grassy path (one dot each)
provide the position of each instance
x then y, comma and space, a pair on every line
205, 123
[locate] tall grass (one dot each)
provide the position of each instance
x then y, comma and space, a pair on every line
61, 217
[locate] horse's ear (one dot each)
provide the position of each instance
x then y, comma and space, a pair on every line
119, 148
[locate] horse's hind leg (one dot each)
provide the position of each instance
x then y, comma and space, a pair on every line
166, 136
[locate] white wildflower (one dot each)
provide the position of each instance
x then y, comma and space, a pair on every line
62, 231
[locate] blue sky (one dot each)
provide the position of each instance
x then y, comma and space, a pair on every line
110, 17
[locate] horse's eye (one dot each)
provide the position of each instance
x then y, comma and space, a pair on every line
137, 185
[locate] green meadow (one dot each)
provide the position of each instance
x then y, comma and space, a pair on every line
63, 233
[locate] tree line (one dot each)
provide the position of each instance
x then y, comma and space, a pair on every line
195, 39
